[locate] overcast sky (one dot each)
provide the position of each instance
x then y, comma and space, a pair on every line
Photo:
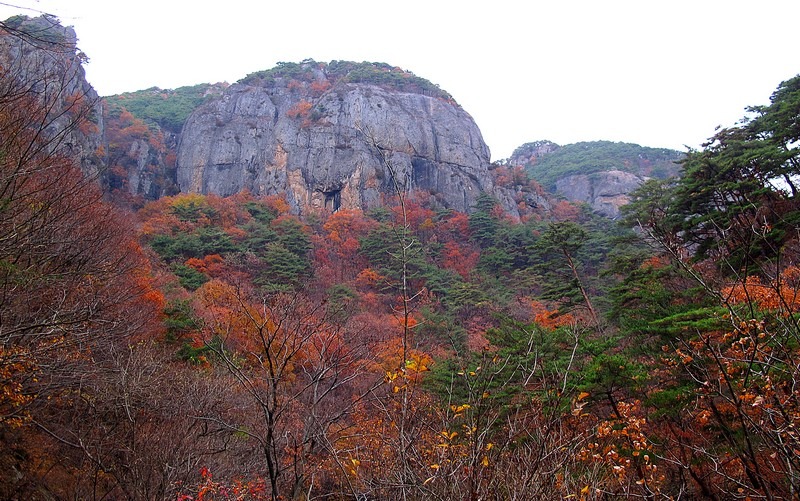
656, 73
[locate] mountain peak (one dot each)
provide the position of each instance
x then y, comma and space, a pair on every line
335, 134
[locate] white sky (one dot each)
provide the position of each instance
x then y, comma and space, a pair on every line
657, 73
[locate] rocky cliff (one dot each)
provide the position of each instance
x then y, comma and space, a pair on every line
601, 174
605, 192
334, 135
39, 57
530, 153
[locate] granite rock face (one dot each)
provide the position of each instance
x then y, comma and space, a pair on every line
41, 58
529, 153
331, 143
605, 192
601, 174
149, 177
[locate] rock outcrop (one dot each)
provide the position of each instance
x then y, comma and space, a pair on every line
601, 174
530, 153
333, 136
605, 192
39, 57
146, 173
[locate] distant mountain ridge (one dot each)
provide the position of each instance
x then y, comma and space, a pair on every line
601, 174
329, 135
337, 134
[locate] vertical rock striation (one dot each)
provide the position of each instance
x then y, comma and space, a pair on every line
39, 57
322, 139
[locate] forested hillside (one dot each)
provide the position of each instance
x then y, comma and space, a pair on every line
315, 132
555, 162
601, 174
208, 347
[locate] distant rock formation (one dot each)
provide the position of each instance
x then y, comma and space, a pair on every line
335, 135
605, 192
328, 135
530, 153
601, 174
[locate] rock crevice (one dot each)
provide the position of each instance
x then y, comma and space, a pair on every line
320, 148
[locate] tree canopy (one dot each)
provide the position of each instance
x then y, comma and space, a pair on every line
598, 156
223, 347
736, 197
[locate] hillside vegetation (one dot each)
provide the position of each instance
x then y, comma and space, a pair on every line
166, 108
379, 74
206, 347
599, 156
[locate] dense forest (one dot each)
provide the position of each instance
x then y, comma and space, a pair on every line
200, 347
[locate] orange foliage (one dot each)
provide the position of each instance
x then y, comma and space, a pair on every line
372, 445
301, 109
454, 227
565, 211
416, 215
277, 203
341, 244
400, 371
226, 315
620, 444
655, 262
13, 398
210, 490
229, 211
476, 334
550, 319
401, 321
319, 86
782, 295
749, 373
163, 216
127, 128
292, 219
156, 141
509, 177
212, 265
369, 278
294, 85
460, 258
145, 284
157, 218
347, 224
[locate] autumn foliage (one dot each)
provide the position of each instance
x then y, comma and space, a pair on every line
208, 347
330, 381
78, 296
